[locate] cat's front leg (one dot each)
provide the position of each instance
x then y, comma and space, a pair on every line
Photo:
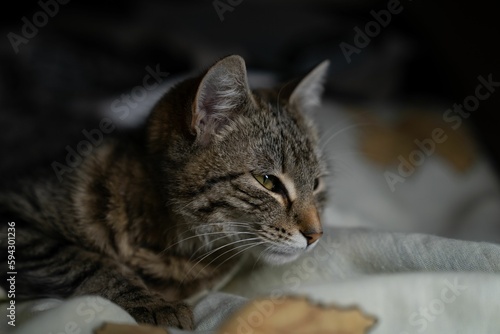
52, 268
145, 306
159, 312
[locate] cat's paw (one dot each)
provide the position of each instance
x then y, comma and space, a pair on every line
164, 314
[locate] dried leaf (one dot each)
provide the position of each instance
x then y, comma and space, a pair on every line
296, 315
129, 329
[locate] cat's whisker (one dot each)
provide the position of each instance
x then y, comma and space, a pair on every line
246, 247
278, 97
236, 254
223, 246
204, 246
199, 260
214, 223
191, 226
258, 258
219, 238
210, 252
342, 130
226, 234
345, 168
342, 121
195, 229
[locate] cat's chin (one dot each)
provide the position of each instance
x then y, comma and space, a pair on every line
279, 259
278, 256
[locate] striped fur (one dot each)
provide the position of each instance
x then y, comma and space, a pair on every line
150, 220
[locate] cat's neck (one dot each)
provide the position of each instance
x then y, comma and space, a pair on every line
116, 200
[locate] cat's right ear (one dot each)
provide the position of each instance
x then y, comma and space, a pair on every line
222, 91
307, 94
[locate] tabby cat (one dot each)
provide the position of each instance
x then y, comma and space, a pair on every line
216, 172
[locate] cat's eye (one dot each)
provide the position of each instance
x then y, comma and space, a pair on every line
316, 184
272, 183
269, 182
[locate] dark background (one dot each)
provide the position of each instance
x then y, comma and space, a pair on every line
50, 90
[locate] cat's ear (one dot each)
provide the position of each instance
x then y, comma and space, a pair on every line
222, 91
307, 93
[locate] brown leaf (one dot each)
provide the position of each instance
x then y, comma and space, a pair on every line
296, 315
129, 329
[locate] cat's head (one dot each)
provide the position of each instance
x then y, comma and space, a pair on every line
243, 164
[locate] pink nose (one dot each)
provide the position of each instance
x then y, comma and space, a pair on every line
310, 225
311, 236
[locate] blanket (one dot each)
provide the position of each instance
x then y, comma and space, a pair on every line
411, 283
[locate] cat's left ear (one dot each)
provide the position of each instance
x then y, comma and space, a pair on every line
307, 93
222, 91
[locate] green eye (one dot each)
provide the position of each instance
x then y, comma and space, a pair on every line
268, 181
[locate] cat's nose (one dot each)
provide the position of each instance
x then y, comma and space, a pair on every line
311, 237
310, 226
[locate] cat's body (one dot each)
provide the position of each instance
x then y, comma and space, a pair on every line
150, 220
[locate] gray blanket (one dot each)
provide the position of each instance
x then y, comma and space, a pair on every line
412, 283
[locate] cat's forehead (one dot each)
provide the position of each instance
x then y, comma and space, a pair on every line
272, 104
285, 136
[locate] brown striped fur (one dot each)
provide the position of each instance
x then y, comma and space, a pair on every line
151, 219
